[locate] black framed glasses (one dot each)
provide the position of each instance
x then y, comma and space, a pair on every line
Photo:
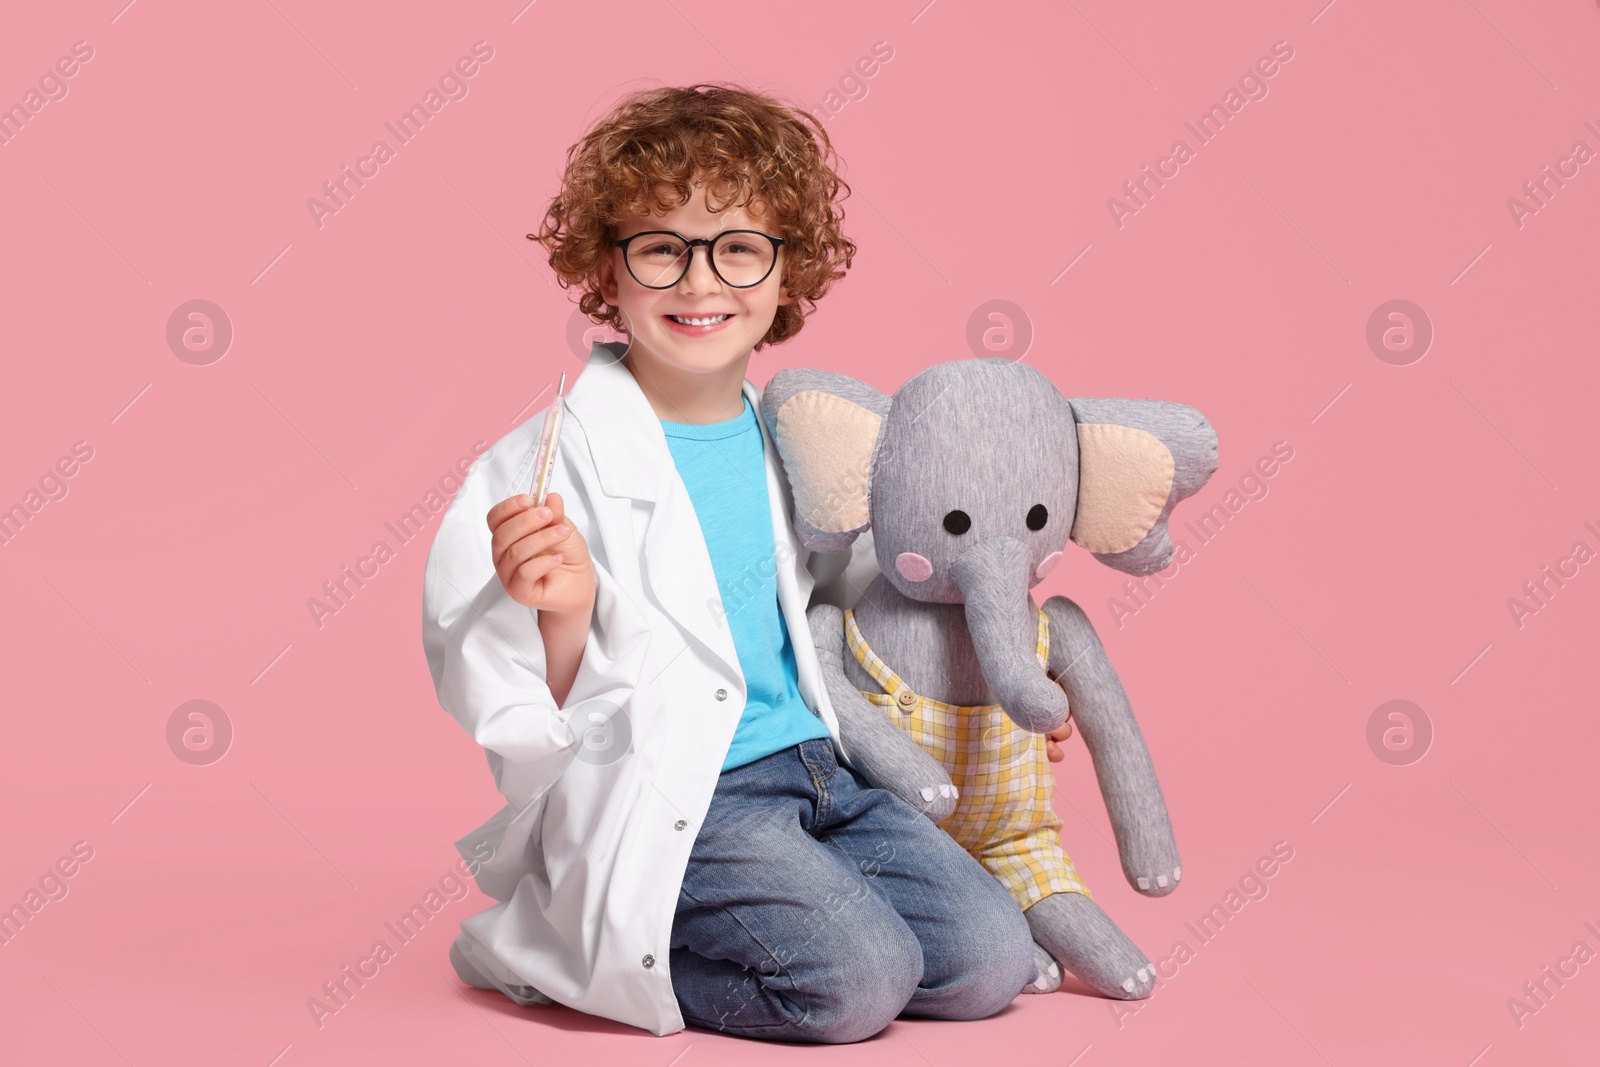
658, 259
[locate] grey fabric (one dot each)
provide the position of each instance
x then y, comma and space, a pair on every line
1081, 936
1046, 971
994, 578
995, 440
784, 385
1104, 719
879, 751
1193, 444
842, 583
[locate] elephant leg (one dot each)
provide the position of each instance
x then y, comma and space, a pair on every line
1084, 940
1122, 762
880, 751
887, 757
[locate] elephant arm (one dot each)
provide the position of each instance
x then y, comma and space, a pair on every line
1121, 761
886, 756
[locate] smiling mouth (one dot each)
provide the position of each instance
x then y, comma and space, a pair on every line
699, 320
697, 325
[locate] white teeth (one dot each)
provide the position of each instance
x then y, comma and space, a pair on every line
711, 320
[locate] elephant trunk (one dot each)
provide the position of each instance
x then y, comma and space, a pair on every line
993, 578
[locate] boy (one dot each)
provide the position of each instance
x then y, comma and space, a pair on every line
685, 841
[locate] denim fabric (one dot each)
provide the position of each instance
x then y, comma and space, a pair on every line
815, 908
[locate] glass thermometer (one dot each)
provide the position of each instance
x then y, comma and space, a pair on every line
546, 463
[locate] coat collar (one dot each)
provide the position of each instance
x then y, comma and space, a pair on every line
630, 455
632, 461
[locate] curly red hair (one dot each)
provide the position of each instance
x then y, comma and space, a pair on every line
740, 145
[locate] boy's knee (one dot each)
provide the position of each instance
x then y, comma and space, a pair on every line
1002, 966
990, 961
864, 987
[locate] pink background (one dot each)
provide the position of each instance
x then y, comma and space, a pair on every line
371, 353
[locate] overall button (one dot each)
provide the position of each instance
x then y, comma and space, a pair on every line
680, 824
906, 698
649, 960
722, 694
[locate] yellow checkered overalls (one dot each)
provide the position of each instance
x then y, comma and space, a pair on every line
1003, 815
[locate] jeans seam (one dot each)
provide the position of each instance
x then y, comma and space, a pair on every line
813, 768
819, 783
804, 1001
784, 1027
824, 804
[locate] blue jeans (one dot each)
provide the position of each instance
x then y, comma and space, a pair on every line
815, 908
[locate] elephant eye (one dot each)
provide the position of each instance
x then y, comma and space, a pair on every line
1038, 515
958, 522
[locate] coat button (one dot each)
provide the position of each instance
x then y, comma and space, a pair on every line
680, 824
649, 960
906, 698
722, 694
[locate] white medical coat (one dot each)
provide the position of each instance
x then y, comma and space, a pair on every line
590, 849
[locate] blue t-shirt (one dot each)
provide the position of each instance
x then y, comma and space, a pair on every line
724, 468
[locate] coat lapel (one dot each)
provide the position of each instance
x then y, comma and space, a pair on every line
633, 463
795, 581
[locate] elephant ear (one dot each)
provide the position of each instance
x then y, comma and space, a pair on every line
1136, 460
826, 427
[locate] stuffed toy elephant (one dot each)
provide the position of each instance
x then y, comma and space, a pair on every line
944, 674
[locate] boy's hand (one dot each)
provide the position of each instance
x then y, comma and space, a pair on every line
1060, 733
543, 562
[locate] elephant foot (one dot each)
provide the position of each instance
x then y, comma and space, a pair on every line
1046, 972
891, 760
1083, 939
887, 757
936, 801
1151, 865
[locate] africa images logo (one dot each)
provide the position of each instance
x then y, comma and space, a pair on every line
1252, 85
452, 85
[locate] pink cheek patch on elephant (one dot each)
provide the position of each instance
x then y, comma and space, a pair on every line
1047, 565
915, 568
